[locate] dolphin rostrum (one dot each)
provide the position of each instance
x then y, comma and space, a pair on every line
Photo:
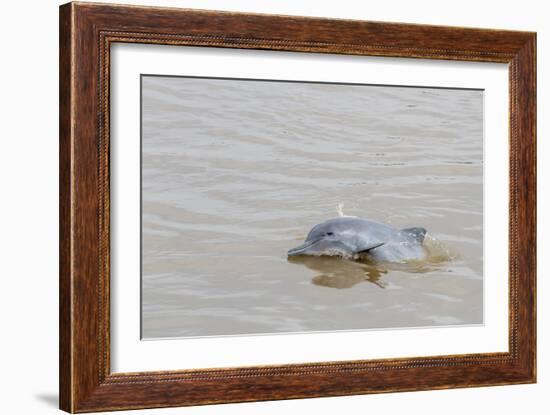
351, 237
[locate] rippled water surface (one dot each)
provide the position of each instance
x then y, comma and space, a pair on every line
234, 173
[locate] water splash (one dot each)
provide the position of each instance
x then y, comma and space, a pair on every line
437, 251
340, 211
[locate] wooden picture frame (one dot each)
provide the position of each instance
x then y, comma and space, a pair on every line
86, 33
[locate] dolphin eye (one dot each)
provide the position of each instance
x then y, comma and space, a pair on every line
330, 233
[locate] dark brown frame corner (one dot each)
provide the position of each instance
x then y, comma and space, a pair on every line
86, 33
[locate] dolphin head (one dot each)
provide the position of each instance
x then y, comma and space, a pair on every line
346, 237
322, 239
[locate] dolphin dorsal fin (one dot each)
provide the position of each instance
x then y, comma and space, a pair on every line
417, 233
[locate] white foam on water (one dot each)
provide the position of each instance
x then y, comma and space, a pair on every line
340, 211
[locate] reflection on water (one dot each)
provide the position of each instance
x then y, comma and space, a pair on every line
337, 272
234, 173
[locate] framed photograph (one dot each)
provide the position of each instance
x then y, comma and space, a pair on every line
258, 207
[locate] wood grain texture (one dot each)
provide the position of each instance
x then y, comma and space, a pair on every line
86, 33
65, 246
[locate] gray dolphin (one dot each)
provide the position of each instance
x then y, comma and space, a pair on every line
350, 237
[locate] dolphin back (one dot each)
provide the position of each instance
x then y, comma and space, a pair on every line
417, 234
